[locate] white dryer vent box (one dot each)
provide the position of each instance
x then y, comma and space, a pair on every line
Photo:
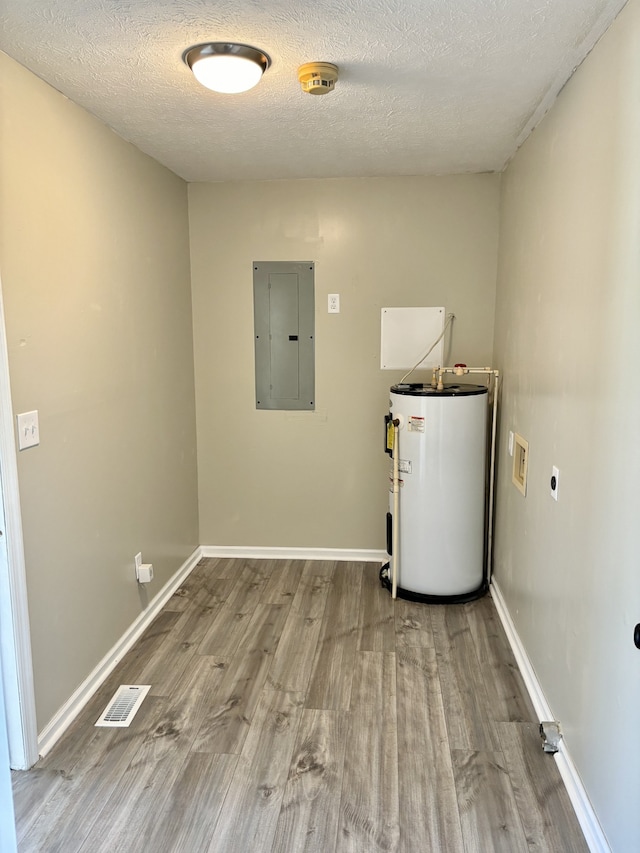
407, 334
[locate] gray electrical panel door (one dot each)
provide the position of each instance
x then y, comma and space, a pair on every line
283, 306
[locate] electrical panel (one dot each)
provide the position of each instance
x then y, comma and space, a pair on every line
283, 302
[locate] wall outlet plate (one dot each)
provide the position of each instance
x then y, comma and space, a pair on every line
333, 303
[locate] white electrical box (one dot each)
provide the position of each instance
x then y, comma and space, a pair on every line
406, 334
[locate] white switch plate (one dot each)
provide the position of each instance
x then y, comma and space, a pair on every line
555, 473
28, 430
333, 306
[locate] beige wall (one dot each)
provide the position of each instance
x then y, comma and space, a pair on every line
95, 277
320, 479
568, 341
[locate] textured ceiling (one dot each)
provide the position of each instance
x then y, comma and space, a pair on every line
426, 86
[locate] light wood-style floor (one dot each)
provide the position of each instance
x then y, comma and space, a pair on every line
295, 707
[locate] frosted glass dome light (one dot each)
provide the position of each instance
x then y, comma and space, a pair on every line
225, 67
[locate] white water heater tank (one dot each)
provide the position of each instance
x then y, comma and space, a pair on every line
442, 443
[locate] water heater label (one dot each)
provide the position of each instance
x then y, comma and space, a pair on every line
415, 424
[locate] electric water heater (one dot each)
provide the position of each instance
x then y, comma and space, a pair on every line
442, 472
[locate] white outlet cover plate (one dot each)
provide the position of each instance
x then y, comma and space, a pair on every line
333, 305
28, 430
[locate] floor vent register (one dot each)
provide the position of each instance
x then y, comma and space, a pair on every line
124, 706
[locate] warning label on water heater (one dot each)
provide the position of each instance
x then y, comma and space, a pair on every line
415, 424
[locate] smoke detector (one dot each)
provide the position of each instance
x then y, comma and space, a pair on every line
318, 78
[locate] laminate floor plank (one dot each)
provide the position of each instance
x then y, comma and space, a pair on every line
69, 815
228, 720
184, 596
193, 697
308, 820
467, 707
413, 624
377, 624
332, 672
132, 810
294, 657
507, 693
164, 669
196, 620
215, 568
428, 810
283, 583
249, 817
546, 812
230, 623
32, 790
369, 817
193, 805
413, 745
210, 576
488, 811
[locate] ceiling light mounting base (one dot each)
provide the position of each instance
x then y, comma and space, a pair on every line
318, 78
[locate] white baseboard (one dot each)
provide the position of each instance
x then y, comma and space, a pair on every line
539, 700
346, 554
594, 836
56, 727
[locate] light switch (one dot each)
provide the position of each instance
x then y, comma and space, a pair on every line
28, 430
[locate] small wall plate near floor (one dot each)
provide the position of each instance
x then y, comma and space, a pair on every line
124, 706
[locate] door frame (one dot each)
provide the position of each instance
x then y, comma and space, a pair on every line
15, 636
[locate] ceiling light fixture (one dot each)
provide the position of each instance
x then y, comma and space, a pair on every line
226, 67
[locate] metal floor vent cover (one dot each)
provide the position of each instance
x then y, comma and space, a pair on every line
124, 705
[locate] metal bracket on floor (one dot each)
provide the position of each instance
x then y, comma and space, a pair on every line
551, 736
